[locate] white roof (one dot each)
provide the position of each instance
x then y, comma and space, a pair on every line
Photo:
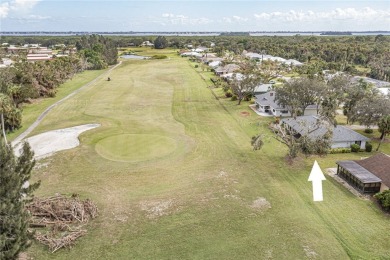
293, 62
239, 76
191, 53
215, 64
385, 91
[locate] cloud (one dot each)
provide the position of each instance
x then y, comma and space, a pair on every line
16, 5
23, 4
239, 19
180, 19
235, 19
4, 10
364, 14
38, 17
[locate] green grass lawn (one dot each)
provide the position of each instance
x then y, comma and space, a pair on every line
32, 111
193, 196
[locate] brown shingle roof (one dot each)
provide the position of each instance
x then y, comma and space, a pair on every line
379, 165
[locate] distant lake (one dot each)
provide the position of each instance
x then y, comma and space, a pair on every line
134, 57
182, 33
315, 34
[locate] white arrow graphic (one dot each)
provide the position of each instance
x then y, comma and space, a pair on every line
316, 177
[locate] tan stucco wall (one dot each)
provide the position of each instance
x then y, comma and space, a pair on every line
383, 188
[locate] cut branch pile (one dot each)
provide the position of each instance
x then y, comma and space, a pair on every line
62, 217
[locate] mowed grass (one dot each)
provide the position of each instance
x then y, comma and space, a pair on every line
196, 202
32, 111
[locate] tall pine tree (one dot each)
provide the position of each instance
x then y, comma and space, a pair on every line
15, 173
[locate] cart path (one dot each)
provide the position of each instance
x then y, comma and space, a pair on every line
48, 109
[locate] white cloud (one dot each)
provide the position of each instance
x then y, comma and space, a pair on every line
37, 17
16, 5
23, 4
239, 19
179, 19
168, 15
364, 14
4, 9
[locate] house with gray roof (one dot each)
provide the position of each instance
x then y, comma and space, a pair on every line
265, 103
229, 68
262, 89
313, 127
370, 175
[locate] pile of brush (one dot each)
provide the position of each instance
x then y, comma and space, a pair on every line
61, 219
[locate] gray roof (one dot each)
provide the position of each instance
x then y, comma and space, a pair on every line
267, 99
359, 172
263, 88
313, 127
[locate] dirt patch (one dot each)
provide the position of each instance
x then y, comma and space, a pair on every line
155, 209
245, 113
309, 252
261, 204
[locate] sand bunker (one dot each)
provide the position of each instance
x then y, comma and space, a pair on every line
47, 143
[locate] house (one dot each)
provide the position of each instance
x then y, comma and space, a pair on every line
147, 43
293, 62
38, 57
262, 89
191, 54
215, 64
200, 49
313, 127
266, 103
370, 175
5, 62
253, 56
229, 68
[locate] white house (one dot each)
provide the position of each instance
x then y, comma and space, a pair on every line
147, 43
191, 54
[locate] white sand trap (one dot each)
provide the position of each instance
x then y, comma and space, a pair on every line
48, 143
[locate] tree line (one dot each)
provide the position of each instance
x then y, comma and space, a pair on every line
29, 80
363, 55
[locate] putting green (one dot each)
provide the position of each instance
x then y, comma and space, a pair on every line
135, 147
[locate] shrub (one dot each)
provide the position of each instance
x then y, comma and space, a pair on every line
384, 199
340, 150
159, 57
368, 131
355, 148
368, 147
196, 66
228, 94
248, 97
233, 98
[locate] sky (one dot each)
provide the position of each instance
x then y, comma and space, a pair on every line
194, 15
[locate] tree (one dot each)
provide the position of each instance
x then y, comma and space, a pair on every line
160, 42
244, 83
10, 116
384, 199
383, 128
333, 96
297, 94
283, 136
257, 142
14, 194
370, 110
354, 95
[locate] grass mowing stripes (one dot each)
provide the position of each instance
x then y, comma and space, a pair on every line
197, 201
